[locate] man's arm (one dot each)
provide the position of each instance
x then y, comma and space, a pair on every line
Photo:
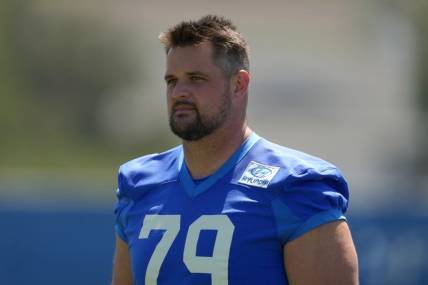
324, 255
122, 266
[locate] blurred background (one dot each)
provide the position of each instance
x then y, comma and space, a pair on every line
81, 92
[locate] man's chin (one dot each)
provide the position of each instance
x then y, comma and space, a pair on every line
188, 136
183, 124
188, 132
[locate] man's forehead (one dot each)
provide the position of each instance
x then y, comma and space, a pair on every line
201, 52
190, 59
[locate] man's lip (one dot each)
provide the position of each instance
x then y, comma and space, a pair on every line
181, 112
183, 107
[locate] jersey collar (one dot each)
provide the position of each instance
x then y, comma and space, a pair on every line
193, 189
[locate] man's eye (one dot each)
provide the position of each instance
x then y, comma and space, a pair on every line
195, 78
170, 82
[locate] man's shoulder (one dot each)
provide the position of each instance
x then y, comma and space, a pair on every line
152, 160
291, 159
289, 166
150, 169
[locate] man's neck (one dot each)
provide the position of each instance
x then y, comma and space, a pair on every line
205, 156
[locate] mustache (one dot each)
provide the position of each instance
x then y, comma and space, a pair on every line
181, 103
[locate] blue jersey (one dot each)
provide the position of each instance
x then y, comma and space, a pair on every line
227, 229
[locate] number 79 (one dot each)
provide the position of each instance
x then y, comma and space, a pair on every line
216, 265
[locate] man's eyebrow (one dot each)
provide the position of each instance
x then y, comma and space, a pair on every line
168, 76
190, 73
195, 73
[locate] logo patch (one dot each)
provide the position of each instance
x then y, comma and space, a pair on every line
257, 174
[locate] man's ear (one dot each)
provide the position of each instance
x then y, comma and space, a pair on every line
241, 81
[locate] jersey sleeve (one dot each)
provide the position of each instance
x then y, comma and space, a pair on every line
122, 206
309, 199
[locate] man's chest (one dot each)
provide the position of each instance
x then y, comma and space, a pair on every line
222, 236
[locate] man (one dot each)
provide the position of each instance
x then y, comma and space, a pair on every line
226, 206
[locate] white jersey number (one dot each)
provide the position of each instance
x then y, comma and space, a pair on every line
216, 265
171, 225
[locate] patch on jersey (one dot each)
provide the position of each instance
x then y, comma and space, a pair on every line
257, 174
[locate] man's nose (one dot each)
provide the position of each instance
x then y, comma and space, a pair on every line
181, 90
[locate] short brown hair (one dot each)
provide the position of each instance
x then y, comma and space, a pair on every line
230, 51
